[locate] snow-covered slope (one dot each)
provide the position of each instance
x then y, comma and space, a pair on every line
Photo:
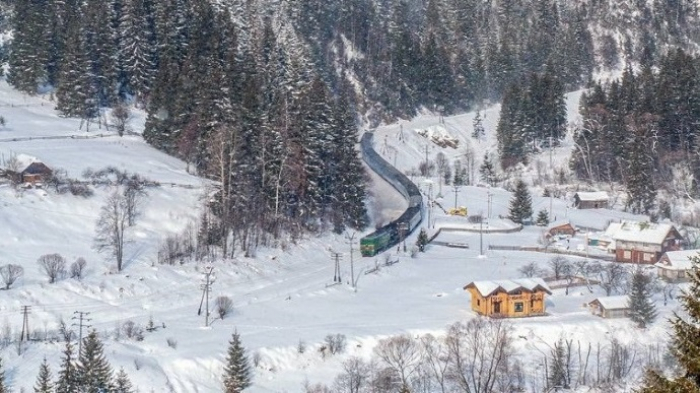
281, 297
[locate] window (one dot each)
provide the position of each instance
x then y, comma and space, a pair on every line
478, 302
627, 254
519, 307
648, 256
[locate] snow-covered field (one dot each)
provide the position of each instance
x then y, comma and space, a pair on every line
281, 297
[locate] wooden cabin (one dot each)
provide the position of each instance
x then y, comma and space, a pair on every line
561, 228
509, 298
27, 169
643, 242
591, 200
676, 265
610, 306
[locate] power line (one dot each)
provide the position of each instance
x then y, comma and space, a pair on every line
82, 322
336, 256
206, 288
25, 324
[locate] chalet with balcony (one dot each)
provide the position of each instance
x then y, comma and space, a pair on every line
643, 242
523, 297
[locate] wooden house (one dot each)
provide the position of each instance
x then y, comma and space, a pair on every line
561, 228
610, 306
28, 169
591, 200
675, 265
643, 242
509, 298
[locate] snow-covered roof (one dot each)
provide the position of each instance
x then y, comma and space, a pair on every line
560, 223
612, 302
596, 196
677, 260
486, 288
24, 160
639, 232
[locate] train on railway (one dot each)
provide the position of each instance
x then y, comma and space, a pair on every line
392, 233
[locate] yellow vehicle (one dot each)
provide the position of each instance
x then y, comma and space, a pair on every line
460, 211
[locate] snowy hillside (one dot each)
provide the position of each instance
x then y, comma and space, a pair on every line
281, 297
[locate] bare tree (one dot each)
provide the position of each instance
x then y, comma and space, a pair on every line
77, 268
443, 165
54, 265
224, 306
478, 350
134, 196
612, 278
559, 266
355, 376
401, 353
10, 273
530, 270
111, 227
436, 356
121, 116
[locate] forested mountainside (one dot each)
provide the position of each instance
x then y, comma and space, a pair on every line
266, 95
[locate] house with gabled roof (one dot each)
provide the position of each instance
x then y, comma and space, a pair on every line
610, 306
28, 169
562, 227
522, 297
643, 242
591, 200
675, 265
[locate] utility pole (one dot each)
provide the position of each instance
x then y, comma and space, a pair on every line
456, 191
481, 235
206, 288
351, 240
488, 201
25, 324
430, 203
336, 256
82, 322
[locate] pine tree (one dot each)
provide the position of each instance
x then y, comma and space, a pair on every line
43, 380
67, 375
422, 240
558, 369
122, 384
521, 203
642, 308
685, 342
542, 218
3, 387
237, 374
487, 171
478, 125
93, 370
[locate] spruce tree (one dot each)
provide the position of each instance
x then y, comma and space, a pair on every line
67, 374
487, 171
122, 384
93, 370
478, 132
43, 380
521, 203
685, 342
542, 218
237, 374
3, 387
642, 308
422, 240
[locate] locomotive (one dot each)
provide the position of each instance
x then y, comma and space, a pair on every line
390, 234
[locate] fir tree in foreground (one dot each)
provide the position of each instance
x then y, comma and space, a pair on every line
122, 384
685, 343
237, 374
521, 203
67, 377
642, 309
93, 370
43, 381
422, 240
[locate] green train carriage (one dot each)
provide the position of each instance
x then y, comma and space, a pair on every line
372, 244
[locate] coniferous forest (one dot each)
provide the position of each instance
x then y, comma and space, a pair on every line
267, 96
